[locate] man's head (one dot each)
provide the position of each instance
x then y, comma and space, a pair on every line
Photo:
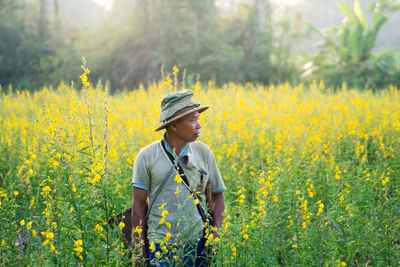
178, 108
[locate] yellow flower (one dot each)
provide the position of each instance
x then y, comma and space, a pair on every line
22, 222
164, 249
178, 179
196, 201
177, 191
50, 235
46, 189
161, 207
45, 243
164, 213
152, 247
78, 243
168, 225
175, 70
15, 193
121, 225
167, 237
79, 249
138, 229
53, 248
98, 228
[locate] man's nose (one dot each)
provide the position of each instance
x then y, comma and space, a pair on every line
198, 126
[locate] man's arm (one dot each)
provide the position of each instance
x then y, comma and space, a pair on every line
218, 205
138, 217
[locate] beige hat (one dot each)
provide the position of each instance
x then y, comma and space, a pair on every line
178, 105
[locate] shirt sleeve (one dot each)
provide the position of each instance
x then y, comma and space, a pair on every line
217, 184
141, 174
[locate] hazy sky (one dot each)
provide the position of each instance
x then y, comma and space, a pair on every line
108, 3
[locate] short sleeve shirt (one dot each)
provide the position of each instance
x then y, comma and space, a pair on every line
174, 211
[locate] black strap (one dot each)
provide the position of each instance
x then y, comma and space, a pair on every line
182, 174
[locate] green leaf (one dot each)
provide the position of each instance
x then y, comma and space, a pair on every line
358, 12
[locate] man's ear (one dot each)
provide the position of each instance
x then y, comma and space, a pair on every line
172, 126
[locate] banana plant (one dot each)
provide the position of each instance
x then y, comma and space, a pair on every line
347, 50
354, 40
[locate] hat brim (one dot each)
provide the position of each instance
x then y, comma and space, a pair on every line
199, 109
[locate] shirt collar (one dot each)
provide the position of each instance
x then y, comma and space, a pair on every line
183, 153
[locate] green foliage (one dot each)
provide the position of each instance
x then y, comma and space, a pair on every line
347, 51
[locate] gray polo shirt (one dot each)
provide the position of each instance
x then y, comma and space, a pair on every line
183, 221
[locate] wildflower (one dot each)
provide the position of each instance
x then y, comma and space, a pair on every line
79, 249
15, 193
152, 247
22, 222
49, 235
175, 70
29, 226
45, 242
55, 163
320, 209
167, 237
98, 228
78, 243
121, 225
164, 213
138, 230
46, 189
178, 179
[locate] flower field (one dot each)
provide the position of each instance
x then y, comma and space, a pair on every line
313, 175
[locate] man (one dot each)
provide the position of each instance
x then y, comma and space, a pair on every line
173, 174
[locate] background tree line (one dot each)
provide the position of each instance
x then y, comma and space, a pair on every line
42, 41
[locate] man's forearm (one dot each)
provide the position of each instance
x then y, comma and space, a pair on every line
219, 208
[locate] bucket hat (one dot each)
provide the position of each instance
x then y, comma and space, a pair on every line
178, 105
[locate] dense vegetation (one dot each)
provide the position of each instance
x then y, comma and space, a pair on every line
312, 174
258, 41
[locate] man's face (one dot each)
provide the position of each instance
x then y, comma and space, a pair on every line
188, 128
